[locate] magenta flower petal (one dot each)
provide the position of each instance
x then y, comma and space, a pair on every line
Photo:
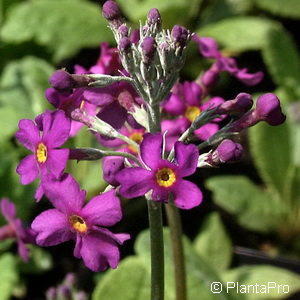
28, 134
39, 193
107, 253
207, 46
103, 210
108, 114
57, 161
65, 195
111, 166
187, 195
160, 194
206, 131
28, 169
151, 149
23, 251
192, 93
187, 158
52, 228
56, 128
174, 105
99, 96
78, 246
249, 78
8, 209
134, 182
121, 237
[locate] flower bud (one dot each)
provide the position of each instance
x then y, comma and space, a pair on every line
111, 10
180, 35
123, 31
148, 46
154, 17
125, 45
61, 80
64, 82
135, 36
240, 105
268, 109
228, 151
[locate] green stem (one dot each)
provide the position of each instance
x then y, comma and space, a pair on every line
157, 250
156, 225
174, 221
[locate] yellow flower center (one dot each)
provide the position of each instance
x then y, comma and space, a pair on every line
41, 153
165, 177
192, 112
136, 137
78, 223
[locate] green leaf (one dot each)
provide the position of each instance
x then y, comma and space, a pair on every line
216, 10
282, 59
199, 273
64, 26
239, 34
22, 89
8, 275
213, 243
271, 151
263, 275
253, 208
290, 9
131, 281
40, 260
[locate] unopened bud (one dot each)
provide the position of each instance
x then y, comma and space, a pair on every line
154, 17
148, 46
63, 81
111, 12
180, 35
240, 105
228, 151
123, 31
125, 45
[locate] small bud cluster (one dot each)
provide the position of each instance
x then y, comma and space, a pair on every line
152, 56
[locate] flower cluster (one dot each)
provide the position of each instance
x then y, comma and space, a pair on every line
151, 125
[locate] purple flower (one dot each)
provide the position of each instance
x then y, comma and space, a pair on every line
46, 157
15, 229
186, 101
72, 220
161, 176
208, 47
